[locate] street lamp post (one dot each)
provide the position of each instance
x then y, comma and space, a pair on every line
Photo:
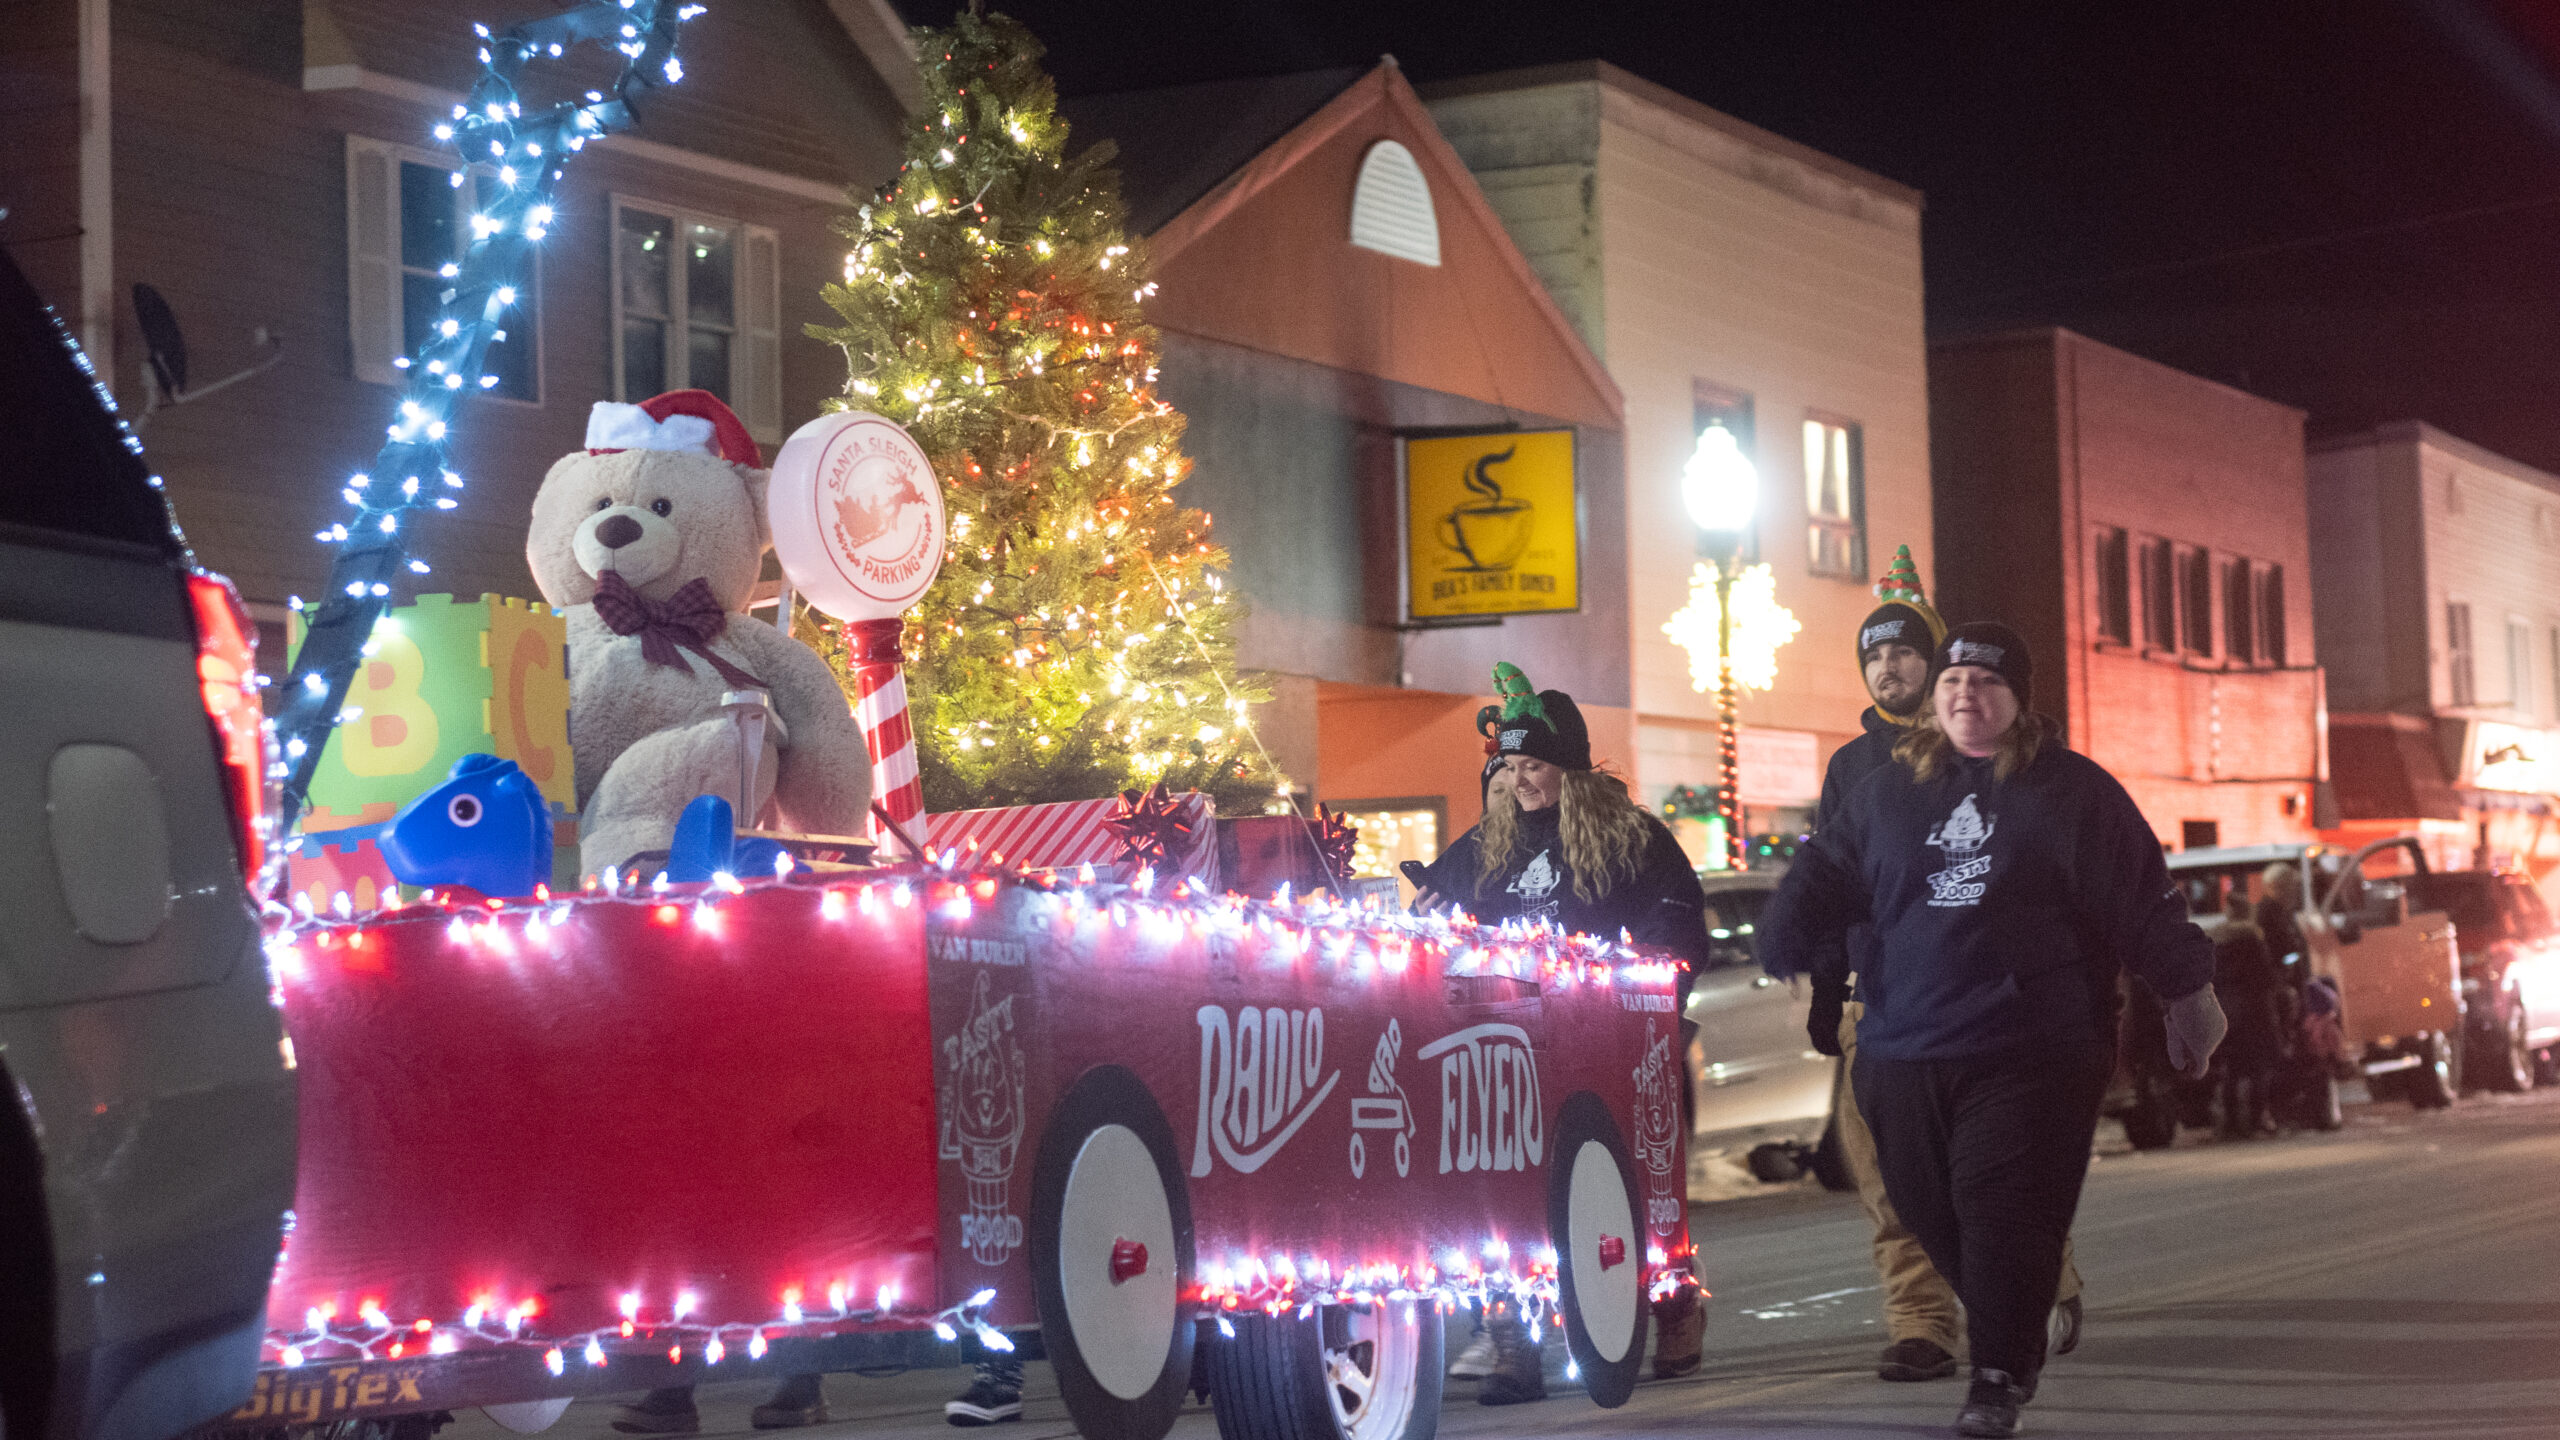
1720, 487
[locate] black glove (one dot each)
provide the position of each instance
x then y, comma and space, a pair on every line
1822, 1024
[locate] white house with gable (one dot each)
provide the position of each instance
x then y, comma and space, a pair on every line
1725, 274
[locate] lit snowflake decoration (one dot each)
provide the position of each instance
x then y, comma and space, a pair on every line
1760, 626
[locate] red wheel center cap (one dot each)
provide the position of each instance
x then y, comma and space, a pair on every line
1128, 1261
1613, 1252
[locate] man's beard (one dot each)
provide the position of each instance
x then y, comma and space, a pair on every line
1905, 709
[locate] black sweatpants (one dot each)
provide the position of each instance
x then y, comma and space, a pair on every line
1983, 1160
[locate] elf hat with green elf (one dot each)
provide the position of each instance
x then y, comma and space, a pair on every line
1541, 724
1905, 617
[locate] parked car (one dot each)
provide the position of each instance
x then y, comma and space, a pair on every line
1759, 1084
148, 1157
2510, 973
2395, 966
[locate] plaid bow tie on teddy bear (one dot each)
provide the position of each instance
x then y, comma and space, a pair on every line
688, 618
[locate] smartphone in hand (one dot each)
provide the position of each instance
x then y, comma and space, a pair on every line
1417, 873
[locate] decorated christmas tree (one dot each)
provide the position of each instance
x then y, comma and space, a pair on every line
1080, 638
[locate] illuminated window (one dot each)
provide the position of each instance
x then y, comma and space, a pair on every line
2519, 664
1392, 832
406, 221
1713, 404
1834, 499
696, 305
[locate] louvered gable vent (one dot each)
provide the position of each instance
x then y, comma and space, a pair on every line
1391, 206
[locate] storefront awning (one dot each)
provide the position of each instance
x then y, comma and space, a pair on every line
2386, 767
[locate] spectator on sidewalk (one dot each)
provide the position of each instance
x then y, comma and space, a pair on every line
2246, 980
2008, 881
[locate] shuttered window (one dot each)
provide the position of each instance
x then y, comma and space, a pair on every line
2459, 676
408, 218
1391, 209
2240, 612
2115, 586
2271, 615
697, 304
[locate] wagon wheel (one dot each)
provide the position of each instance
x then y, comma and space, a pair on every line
1111, 1253
1591, 1218
1346, 1372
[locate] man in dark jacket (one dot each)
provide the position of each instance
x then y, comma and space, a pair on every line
2008, 882
1894, 643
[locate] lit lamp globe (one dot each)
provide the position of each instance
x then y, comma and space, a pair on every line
1720, 485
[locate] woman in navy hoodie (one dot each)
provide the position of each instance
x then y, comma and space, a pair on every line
2008, 882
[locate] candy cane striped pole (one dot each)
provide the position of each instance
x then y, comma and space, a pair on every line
881, 705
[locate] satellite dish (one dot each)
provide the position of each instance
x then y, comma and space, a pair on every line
161, 337
164, 373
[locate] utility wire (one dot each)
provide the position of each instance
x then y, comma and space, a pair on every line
2272, 247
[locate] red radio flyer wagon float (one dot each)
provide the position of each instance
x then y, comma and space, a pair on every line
836, 1118
820, 1124
842, 1118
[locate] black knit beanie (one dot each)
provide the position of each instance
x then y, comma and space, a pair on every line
1554, 732
1895, 622
1994, 647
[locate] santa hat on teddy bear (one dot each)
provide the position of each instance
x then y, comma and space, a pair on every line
693, 420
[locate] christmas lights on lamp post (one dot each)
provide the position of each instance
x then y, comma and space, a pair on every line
1733, 625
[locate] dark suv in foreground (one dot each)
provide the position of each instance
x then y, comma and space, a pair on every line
146, 1096
2510, 974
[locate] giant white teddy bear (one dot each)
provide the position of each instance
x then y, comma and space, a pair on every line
651, 539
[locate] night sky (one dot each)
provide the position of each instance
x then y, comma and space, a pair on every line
2350, 207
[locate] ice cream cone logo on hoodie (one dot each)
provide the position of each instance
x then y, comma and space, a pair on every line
1960, 838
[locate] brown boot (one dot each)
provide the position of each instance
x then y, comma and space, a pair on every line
1680, 1331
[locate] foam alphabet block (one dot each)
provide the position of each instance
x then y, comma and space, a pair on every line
347, 862
444, 678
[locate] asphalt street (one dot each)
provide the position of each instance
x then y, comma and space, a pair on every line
2400, 1278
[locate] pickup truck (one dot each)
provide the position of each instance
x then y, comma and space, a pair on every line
2397, 970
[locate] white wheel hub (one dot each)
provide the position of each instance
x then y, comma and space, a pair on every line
1370, 1357
1601, 1236
1121, 1314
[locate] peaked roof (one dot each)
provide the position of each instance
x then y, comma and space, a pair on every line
1245, 189
1176, 144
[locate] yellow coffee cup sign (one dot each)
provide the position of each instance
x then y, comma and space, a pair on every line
1491, 525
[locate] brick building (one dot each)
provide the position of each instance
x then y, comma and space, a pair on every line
2432, 561
268, 164
2146, 531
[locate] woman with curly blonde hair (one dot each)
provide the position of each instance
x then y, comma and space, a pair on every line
1565, 844
2008, 883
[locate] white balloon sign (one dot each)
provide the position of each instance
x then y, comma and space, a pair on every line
857, 516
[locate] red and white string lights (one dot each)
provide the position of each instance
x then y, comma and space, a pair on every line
1129, 924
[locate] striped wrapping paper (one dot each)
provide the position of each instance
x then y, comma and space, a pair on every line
1068, 834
